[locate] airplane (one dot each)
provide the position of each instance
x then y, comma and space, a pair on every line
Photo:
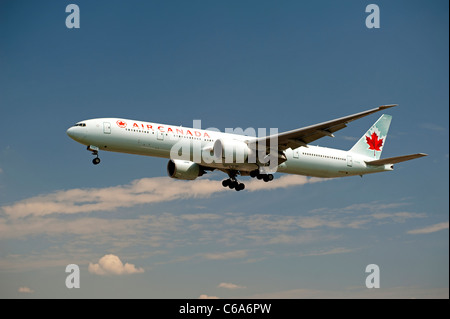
193, 151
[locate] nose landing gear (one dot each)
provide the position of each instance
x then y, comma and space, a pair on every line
94, 150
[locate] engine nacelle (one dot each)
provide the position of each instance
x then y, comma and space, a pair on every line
232, 151
184, 169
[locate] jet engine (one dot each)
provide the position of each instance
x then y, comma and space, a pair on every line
187, 170
231, 151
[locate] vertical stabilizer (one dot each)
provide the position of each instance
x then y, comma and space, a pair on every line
371, 144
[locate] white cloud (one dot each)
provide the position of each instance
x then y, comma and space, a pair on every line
207, 297
229, 285
138, 192
433, 127
339, 250
240, 236
429, 229
55, 226
112, 265
348, 138
25, 290
195, 217
227, 255
303, 238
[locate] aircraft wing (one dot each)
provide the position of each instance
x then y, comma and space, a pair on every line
303, 136
395, 160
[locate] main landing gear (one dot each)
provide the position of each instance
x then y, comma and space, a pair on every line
264, 177
232, 182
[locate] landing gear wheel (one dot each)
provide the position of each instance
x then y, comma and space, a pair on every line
96, 161
254, 173
232, 182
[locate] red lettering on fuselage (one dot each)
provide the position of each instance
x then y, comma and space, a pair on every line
179, 131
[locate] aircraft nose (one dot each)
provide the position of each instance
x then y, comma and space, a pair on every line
69, 131
76, 133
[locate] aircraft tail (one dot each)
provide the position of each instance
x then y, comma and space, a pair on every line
371, 144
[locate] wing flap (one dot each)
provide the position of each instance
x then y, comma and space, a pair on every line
395, 160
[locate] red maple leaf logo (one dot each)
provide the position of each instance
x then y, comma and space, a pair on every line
374, 142
121, 124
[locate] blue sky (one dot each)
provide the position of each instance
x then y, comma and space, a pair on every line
230, 64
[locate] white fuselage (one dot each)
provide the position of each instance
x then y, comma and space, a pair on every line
153, 139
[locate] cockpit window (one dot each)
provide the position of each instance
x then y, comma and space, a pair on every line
80, 124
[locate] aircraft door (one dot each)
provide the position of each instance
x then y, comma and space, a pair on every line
349, 161
106, 127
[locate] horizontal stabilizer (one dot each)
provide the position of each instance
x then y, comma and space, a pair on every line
395, 160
